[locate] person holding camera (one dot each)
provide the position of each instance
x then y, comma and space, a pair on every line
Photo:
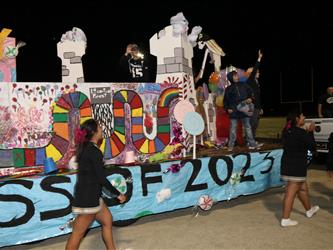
134, 66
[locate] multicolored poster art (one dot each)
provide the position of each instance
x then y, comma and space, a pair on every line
37, 208
8, 53
38, 120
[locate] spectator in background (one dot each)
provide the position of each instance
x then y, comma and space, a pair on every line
135, 66
329, 159
254, 84
325, 104
294, 162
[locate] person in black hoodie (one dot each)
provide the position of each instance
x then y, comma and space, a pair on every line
88, 204
254, 84
236, 93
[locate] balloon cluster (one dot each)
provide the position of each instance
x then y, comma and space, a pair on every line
213, 81
217, 87
218, 82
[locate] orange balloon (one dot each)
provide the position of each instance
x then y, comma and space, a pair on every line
214, 78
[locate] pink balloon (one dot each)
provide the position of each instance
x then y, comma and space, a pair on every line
180, 110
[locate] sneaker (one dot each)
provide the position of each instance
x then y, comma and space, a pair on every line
288, 223
312, 211
256, 146
248, 144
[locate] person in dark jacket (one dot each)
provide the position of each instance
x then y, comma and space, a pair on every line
297, 141
88, 204
253, 82
236, 93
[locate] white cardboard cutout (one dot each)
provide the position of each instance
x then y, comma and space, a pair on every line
70, 53
174, 64
174, 60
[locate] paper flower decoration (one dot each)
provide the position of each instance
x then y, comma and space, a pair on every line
163, 195
235, 178
179, 24
174, 168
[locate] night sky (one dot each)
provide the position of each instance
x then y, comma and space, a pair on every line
296, 41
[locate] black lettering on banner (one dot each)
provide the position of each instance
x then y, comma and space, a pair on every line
196, 163
126, 174
245, 168
46, 185
145, 169
212, 165
271, 159
18, 198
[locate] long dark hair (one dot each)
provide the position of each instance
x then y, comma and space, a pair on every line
83, 135
291, 121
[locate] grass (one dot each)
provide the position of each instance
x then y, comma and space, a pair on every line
270, 127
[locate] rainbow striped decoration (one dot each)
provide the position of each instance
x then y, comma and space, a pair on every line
77, 103
167, 96
61, 112
60, 141
144, 145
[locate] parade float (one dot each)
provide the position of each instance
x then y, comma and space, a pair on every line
147, 146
